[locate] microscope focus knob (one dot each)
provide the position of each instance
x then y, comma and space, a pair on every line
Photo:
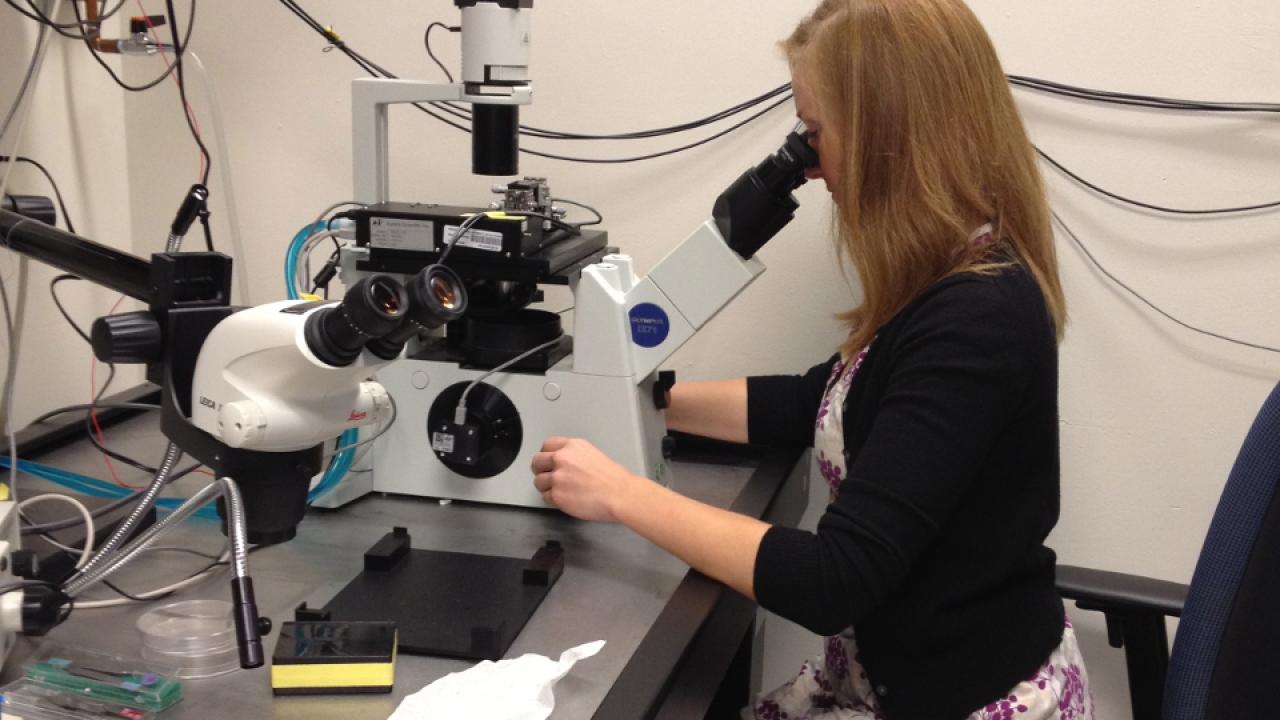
132, 337
241, 424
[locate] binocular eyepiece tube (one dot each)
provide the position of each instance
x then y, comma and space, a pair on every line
437, 296
371, 309
380, 315
759, 203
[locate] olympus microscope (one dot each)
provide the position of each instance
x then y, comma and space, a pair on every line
477, 396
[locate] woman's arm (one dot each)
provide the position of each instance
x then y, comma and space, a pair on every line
582, 481
715, 409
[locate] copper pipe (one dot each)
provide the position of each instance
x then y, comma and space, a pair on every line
93, 30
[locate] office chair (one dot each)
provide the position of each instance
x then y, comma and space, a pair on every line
1226, 657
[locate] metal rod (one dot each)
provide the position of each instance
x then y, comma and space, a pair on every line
97, 263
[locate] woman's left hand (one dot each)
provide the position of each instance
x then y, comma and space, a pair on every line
573, 475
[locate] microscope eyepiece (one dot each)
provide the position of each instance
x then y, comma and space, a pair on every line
759, 203
436, 296
371, 309
446, 290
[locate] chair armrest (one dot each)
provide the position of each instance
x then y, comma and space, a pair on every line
1120, 592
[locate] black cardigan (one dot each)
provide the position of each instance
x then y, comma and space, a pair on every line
934, 548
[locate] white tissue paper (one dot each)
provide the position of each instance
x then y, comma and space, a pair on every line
518, 689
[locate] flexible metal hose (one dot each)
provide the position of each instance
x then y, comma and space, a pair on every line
145, 503
225, 487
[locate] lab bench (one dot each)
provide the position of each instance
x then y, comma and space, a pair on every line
678, 645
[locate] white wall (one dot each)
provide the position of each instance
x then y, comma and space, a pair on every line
1152, 414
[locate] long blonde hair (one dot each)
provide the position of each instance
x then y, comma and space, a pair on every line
932, 147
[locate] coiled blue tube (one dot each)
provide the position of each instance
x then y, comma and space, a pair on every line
291, 257
341, 462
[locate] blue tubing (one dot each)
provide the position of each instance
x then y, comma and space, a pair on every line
341, 462
94, 487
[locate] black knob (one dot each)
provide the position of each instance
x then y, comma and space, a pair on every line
132, 337
662, 389
668, 447
26, 564
264, 625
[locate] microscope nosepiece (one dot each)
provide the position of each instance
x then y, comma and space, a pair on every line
495, 139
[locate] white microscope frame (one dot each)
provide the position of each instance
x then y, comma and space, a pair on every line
626, 326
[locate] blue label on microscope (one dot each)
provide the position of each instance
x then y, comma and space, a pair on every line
649, 325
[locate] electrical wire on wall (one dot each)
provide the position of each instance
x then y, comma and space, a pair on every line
1147, 103
779, 97
1124, 286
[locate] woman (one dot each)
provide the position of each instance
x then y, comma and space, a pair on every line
936, 422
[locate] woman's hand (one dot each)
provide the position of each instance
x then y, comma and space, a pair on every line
573, 475
582, 481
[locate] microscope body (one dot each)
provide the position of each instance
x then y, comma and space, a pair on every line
258, 385
468, 424
602, 384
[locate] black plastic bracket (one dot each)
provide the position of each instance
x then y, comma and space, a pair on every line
302, 613
546, 565
662, 388
388, 551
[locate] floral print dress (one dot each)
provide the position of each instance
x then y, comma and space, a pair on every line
835, 685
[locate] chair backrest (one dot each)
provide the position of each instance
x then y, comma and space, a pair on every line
1226, 655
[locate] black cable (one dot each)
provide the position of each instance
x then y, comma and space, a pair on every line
426, 40
669, 130
1138, 203
617, 161
40, 18
204, 220
1147, 302
376, 70
116, 589
177, 59
599, 217
462, 113
663, 153
214, 562
1148, 101
53, 290
463, 228
179, 46
57, 193
91, 408
81, 407
560, 224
